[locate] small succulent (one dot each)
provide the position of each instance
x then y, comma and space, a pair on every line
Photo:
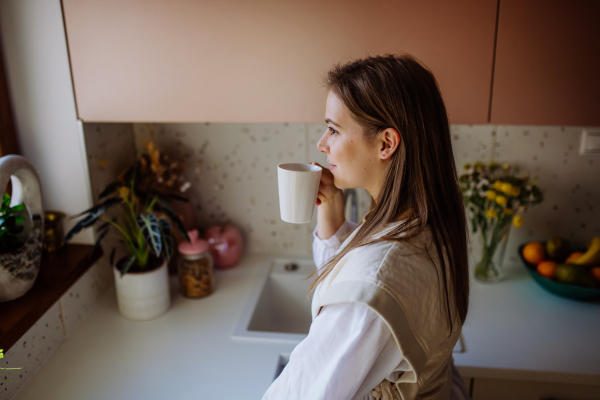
10, 225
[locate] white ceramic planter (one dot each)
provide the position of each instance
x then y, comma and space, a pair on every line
143, 295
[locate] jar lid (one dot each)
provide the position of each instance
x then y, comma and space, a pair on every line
195, 246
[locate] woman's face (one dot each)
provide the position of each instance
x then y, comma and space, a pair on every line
353, 161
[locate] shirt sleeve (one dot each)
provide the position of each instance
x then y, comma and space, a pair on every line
343, 344
324, 249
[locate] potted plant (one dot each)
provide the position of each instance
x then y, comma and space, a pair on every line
493, 195
145, 228
21, 228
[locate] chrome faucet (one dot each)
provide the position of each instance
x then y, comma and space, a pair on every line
350, 194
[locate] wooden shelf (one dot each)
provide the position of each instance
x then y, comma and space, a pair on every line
59, 270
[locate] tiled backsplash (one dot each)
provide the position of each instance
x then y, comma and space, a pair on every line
233, 171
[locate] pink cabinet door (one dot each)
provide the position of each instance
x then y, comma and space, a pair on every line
547, 69
263, 60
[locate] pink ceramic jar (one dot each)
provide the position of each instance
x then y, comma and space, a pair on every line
226, 245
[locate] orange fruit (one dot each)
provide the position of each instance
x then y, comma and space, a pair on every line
596, 272
534, 252
546, 268
573, 257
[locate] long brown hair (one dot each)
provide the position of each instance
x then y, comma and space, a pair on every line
420, 181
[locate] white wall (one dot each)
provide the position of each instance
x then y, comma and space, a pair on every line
39, 81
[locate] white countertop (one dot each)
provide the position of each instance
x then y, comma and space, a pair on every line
515, 330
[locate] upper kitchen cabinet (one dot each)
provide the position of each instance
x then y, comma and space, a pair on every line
264, 60
547, 68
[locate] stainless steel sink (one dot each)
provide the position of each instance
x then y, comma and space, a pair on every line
277, 309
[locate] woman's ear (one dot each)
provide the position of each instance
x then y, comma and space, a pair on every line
388, 143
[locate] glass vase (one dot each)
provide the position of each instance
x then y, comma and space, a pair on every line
492, 246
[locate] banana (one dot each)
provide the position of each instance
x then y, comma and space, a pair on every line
592, 256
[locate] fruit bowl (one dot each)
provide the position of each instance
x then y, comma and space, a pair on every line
569, 290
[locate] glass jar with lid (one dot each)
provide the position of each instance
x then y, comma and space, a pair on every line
195, 266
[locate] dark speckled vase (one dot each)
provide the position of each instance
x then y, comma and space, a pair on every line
19, 268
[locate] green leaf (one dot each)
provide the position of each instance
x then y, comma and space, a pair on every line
113, 201
106, 224
110, 188
111, 259
164, 207
94, 213
128, 263
18, 207
101, 236
167, 238
148, 224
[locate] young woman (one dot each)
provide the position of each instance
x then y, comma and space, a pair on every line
392, 293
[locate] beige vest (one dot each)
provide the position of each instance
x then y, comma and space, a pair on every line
401, 284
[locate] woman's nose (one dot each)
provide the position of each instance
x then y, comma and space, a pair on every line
322, 144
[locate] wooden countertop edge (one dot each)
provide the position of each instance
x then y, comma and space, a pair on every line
54, 279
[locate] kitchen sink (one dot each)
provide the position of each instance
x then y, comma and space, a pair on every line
277, 309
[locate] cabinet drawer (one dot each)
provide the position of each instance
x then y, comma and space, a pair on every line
492, 389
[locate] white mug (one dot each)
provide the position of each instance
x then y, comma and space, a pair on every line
298, 189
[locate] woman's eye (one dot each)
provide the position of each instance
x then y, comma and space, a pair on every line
331, 130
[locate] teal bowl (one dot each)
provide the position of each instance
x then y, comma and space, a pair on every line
571, 291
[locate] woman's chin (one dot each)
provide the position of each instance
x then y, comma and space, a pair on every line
337, 183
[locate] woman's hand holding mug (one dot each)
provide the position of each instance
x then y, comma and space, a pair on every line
327, 190
330, 199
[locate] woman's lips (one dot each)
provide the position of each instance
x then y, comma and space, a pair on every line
332, 167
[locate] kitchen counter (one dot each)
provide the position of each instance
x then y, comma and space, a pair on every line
515, 330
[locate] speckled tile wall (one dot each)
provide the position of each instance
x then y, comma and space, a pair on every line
110, 149
232, 168
571, 183
233, 172
31, 351
551, 153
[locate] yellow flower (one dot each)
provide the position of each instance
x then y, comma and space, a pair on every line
506, 188
491, 195
123, 192
467, 166
498, 185
515, 191
518, 221
505, 166
521, 208
491, 213
508, 211
1, 354
154, 154
501, 200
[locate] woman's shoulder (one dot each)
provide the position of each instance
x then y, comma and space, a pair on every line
382, 258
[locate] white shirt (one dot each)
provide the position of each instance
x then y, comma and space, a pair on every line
344, 342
